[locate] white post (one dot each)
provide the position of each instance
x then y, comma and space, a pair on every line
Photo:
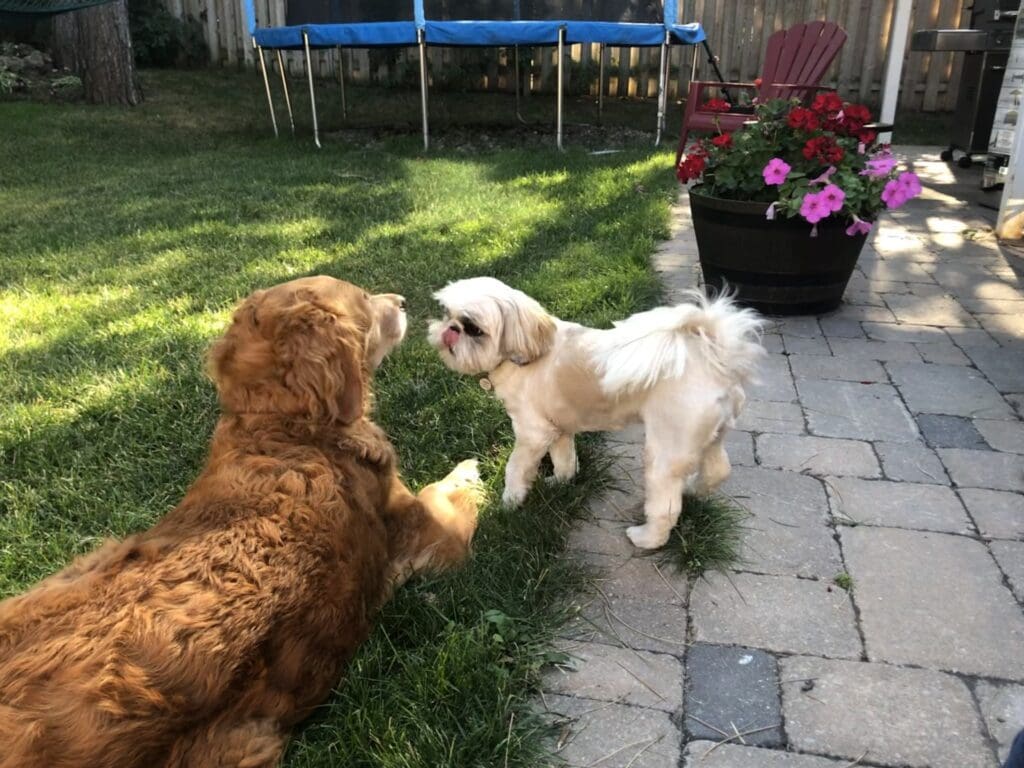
1010, 223
894, 61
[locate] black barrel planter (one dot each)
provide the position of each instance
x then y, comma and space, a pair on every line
775, 266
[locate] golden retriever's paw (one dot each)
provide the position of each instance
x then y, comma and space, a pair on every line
465, 473
463, 485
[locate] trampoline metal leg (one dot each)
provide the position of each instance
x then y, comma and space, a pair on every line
312, 95
266, 86
518, 86
284, 87
341, 82
561, 86
662, 90
423, 89
600, 81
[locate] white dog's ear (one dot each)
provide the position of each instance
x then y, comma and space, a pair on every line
527, 330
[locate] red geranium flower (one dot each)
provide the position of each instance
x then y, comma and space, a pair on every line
868, 137
716, 105
722, 140
834, 125
857, 112
691, 167
854, 116
825, 103
824, 150
802, 119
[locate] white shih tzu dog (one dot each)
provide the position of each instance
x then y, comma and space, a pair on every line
680, 370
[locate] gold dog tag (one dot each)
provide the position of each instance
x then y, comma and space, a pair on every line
485, 384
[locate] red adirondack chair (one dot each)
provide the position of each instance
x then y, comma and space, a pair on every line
794, 63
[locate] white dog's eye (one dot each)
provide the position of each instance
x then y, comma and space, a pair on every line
471, 328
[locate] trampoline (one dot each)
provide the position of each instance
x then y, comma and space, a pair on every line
317, 24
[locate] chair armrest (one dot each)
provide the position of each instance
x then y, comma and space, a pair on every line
715, 83
800, 86
697, 88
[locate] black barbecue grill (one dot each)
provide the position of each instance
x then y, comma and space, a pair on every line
986, 47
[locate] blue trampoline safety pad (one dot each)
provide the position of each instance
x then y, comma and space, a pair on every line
374, 34
614, 33
690, 34
364, 35
278, 37
491, 33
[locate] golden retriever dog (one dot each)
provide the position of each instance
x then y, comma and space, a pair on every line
202, 641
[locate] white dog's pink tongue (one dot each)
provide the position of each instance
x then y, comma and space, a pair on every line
450, 337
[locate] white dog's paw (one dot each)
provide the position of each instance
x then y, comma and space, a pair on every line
513, 497
565, 475
556, 478
647, 537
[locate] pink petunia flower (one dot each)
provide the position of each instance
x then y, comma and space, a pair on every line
893, 195
859, 227
910, 183
879, 165
776, 171
833, 197
824, 176
814, 208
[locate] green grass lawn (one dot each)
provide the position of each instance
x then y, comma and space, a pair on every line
127, 236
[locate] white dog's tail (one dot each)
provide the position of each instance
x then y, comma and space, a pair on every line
647, 347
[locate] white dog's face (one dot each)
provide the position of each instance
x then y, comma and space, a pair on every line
486, 323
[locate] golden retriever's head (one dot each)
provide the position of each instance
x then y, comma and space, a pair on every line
306, 348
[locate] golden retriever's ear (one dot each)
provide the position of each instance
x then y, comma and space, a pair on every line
527, 330
321, 355
235, 358
351, 402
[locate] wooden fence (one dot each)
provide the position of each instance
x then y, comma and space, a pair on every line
737, 31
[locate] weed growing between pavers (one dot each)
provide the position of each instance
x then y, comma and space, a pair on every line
708, 536
843, 580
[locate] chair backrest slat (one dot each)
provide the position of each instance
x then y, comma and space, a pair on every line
800, 54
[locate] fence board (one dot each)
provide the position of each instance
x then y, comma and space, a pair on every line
941, 64
231, 30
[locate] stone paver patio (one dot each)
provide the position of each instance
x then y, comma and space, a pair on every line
885, 441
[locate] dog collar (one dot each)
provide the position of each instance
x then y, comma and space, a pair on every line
488, 385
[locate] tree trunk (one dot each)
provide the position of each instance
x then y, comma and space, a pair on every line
95, 44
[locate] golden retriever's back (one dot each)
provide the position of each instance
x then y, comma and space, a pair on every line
259, 585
